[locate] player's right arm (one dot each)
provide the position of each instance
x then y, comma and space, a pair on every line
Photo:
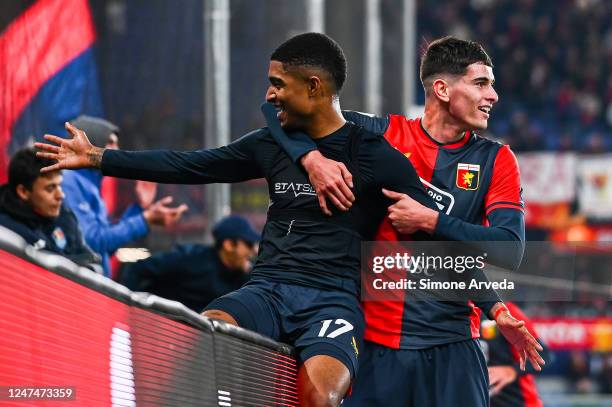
331, 179
232, 163
392, 171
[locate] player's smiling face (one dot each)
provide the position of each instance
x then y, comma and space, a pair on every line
288, 91
471, 96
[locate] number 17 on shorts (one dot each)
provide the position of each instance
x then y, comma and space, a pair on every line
340, 327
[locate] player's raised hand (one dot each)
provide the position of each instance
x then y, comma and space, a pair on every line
517, 334
331, 180
73, 153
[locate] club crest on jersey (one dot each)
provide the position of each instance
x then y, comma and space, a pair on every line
59, 237
468, 176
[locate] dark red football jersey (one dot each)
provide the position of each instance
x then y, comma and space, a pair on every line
468, 180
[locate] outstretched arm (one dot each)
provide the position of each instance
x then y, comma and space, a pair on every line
232, 163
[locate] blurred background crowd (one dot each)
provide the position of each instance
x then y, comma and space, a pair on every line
552, 65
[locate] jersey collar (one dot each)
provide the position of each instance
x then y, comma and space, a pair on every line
456, 144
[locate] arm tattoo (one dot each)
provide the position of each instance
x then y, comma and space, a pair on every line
94, 155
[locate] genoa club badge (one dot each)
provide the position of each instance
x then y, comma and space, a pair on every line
468, 176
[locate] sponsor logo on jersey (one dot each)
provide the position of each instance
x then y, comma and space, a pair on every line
468, 176
296, 188
444, 200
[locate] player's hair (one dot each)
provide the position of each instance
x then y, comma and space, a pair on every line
25, 167
450, 55
314, 50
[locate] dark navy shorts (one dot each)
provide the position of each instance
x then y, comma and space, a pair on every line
314, 321
447, 375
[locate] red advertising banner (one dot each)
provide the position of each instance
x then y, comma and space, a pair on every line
569, 334
98, 344
55, 332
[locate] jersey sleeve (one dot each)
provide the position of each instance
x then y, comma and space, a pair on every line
505, 225
505, 188
391, 170
374, 124
298, 144
295, 145
235, 162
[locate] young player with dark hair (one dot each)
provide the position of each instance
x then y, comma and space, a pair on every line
32, 205
430, 346
305, 283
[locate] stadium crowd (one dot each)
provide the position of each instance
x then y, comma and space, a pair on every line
557, 93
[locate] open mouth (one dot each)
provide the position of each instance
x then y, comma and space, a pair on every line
279, 111
485, 109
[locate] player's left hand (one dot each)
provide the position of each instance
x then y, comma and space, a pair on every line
74, 153
408, 216
500, 377
330, 179
517, 334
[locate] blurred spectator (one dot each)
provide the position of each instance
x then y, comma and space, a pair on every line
196, 274
84, 198
605, 378
578, 373
31, 204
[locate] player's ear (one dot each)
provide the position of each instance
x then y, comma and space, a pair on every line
440, 89
315, 85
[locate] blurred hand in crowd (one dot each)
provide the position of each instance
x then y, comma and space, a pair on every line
160, 214
500, 377
145, 193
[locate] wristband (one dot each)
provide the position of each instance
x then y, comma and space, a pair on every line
500, 309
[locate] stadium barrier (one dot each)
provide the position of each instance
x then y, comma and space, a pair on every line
64, 327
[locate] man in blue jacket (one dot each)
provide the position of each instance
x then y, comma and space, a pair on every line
83, 196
